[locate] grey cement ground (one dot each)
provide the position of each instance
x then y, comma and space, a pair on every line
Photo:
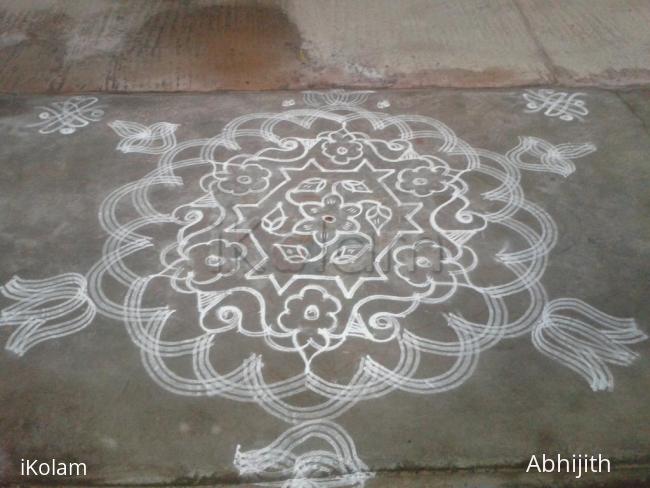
87, 397
204, 45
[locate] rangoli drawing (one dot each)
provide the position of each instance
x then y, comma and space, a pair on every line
325, 234
68, 116
558, 104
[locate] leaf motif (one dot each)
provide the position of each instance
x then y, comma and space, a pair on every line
273, 220
377, 216
162, 129
348, 254
125, 128
154, 139
293, 253
356, 186
314, 185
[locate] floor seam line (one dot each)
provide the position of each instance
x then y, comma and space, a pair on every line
633, 111
546, 58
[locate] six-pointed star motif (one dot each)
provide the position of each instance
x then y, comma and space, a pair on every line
336, 226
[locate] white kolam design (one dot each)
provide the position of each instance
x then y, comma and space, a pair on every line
45, 309
562, 105
156, 139
326, 255
68, 116
311, 455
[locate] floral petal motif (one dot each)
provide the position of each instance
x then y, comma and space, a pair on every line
309, 209
332, 200
341, 147
351, 210
355, 186
422, 181
378, 215
242, 179
349, 253
306, 226
325, 219
294, 253
155, 139
349, 226
205, 263
274, 219
586, 347
314, 185
312, 316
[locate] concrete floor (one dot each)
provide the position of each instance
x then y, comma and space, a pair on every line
205, 45
100, 395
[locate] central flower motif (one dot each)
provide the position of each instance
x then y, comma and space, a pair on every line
324, 220
327, 225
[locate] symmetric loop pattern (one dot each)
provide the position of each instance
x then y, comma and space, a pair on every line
325, 255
